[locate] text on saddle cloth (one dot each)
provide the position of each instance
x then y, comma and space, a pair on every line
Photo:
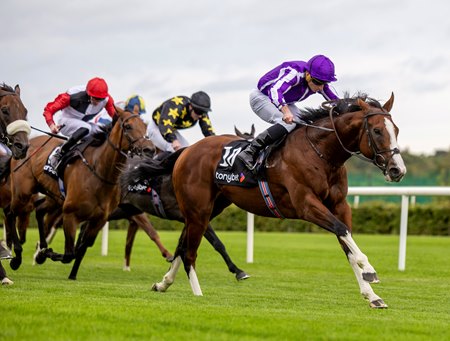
231, 170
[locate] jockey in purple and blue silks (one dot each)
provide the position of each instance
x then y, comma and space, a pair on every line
278, 91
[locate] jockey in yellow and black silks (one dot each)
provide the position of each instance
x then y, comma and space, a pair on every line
175, 114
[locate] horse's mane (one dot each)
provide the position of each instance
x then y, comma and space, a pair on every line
341, 106
6, 88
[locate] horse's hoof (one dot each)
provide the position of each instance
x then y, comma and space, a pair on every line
242, 275
66, 259
370, 277
41, 257
126, 268
7, 281
378, 304
169, 259
155, 287
73, 278
15, 263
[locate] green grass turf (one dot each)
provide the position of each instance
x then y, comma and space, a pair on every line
302, 288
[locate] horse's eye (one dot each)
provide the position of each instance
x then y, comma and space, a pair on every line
127, 127
377, 131
5, 110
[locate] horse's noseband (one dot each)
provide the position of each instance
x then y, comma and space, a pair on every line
133, 149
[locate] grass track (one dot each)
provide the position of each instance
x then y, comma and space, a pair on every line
301, 288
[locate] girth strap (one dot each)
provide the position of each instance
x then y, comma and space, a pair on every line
267, 196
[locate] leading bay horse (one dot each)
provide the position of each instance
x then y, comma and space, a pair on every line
14, 133
306, 177
89, 190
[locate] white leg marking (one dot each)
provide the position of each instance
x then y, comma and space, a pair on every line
7, 281
364, 287
360, 258
193, 280
169, 277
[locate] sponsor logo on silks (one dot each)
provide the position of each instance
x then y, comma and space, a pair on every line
228, 177
229, 156
241, 177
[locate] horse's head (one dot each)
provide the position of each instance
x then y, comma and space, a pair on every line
14, 128
133, 132
378, 139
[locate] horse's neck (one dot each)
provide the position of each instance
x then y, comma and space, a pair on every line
108, 159
348, 127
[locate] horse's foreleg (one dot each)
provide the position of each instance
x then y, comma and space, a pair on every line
3, 278
131, 234
365, 288
70, 228
169, 277
86, 238
360, 259
12, 237
340, 225
217, 244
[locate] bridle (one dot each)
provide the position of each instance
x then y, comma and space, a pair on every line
8, 130
132, 150
378, 159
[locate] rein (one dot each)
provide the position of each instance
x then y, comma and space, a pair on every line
378, 159
115, 148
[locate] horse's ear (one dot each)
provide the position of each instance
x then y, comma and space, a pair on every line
237, 132
363, 105
17, 89
253, 130
388, 105
119, 110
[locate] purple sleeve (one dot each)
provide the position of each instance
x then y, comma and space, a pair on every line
328, 94
288, 78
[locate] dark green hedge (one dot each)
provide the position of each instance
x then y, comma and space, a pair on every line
373, 217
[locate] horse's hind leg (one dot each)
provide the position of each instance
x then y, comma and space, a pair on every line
214, 240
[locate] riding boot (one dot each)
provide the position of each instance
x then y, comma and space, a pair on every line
5, 166
249, 154
59, 153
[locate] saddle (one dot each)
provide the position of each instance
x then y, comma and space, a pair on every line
73, 153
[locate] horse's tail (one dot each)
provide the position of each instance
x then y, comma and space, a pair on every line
145, 168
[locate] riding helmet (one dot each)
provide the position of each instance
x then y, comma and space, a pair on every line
135, 100
201, 101
97, 87
321, 68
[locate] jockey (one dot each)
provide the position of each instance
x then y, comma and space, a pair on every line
278, 91
177, 113
78, 106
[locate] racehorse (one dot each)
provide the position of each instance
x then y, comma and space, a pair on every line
165, 206
306, 178
14, 132
89, 190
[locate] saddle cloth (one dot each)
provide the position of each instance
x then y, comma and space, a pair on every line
231, 170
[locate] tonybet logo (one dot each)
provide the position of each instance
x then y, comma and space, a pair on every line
227, 177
